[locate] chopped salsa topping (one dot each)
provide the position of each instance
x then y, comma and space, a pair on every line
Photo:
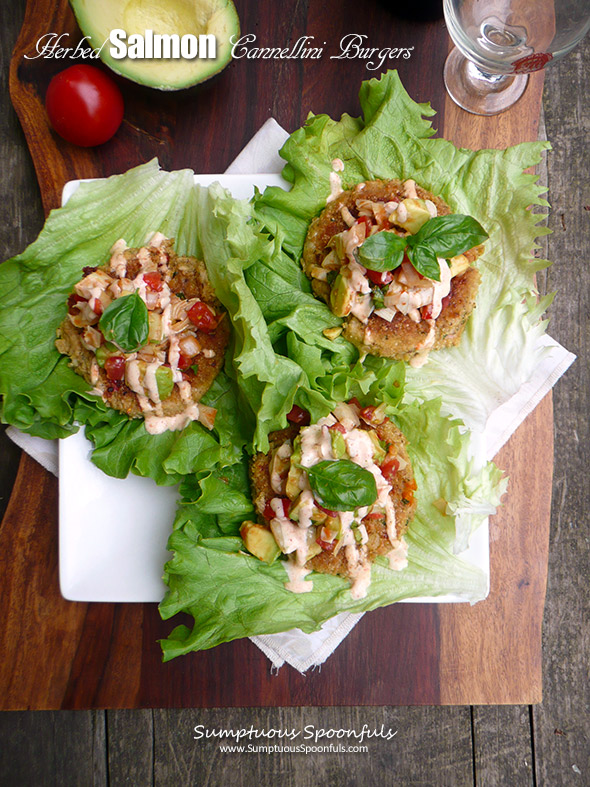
145, 336
330, 489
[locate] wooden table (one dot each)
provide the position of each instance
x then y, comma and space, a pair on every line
105, 655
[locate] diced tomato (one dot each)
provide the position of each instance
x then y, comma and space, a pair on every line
154, 280
269, 512
426, 312
73, 300
327, 546
373, 415
380, 277
297, 415
184, 362
338, 427
97, 306
375, 516
202, 316
327, 511
354, 401
408, 493
114, 366
367, 222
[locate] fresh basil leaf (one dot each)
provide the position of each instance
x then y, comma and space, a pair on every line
125, 322
449, 235
342, 485
425, 261
383, 251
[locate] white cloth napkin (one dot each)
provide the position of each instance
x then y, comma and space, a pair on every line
303, 651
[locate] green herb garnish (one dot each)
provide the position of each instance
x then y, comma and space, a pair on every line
342, 485
125, 322
440, 236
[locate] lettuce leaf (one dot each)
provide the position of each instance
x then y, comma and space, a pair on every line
42, 395
394, 139
231, 594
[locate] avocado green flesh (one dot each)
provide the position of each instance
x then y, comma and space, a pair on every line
164, 17
260, 542
164, 382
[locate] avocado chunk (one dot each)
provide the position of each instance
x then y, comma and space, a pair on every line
164, 382
338, 444
217, 19
155, 334
292, 488
418, 214
458, 264
379, 452
341, 297
260, 542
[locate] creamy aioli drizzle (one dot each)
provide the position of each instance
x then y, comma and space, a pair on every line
335, 186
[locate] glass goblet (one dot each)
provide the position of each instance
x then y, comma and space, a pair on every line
499, 42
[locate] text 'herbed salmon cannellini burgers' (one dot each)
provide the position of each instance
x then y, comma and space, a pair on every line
396, 263
147, 332
332, 496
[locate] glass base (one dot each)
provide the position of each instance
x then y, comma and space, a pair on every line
480, 93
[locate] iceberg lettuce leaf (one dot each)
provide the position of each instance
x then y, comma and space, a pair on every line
231, 594
394, 139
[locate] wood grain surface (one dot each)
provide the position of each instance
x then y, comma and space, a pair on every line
99, 655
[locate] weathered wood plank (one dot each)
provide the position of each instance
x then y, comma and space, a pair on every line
65, 749
561, 723
507, 625
430, 746
22, 216
502, 746
129, 747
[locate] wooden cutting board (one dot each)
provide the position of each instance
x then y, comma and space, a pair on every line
59, 654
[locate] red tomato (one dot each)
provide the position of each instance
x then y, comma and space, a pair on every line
367, 222
269, 510
374, 516
202, 316
154, 281
84, 105
297, 415
184, 362
114, 366
380, 277
327, 546
74, 300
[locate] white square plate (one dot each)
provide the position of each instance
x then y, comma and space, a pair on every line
113, 532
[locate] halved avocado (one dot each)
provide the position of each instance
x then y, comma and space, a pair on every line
97, 18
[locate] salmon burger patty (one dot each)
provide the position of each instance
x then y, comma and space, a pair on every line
401, 313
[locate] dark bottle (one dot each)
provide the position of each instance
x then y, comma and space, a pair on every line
416, 10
